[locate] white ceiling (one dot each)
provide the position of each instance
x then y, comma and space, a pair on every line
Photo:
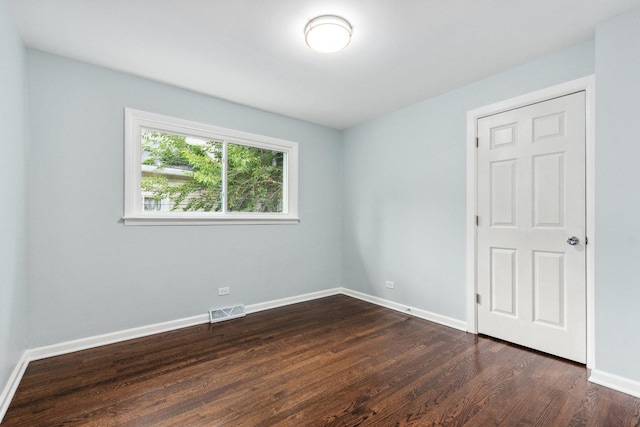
253, 52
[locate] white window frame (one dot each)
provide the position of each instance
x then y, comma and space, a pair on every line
136, 120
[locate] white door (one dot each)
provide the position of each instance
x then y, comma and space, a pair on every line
531, 226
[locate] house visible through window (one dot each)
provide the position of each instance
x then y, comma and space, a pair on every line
184, 172
151, 204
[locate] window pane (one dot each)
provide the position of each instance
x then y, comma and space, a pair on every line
254, 179
185, 171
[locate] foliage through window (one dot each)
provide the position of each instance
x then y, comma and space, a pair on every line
185, 172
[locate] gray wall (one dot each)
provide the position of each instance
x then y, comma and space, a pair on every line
404, 198
89, 274
617, 196
13, 187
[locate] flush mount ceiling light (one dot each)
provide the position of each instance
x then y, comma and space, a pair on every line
327, 34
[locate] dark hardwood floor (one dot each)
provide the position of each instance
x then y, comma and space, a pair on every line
336, 361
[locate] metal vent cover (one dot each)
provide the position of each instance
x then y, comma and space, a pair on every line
220, 314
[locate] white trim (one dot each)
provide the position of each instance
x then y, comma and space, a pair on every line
590, 104
136, 120
422, 314
586, 84
598, 377
198, 220
143, 331
12, 385
114, 337
615, 382
254, 308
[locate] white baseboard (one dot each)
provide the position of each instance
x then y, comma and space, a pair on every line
615, 382
423, 314
254, 308
128, 334
113, 337
143, 331
608, 380
12, 385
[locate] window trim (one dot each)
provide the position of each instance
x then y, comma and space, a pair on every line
135, 120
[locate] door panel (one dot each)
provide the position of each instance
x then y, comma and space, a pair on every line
503, 193
548, 190
503, 281
548, 288
531, 199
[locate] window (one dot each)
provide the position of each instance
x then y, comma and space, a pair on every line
181, 172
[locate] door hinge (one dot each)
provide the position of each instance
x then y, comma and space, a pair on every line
477, 298
586, 240
477, 142
477, 220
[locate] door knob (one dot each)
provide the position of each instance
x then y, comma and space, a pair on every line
573, 240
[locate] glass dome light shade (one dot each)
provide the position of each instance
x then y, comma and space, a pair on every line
327, 34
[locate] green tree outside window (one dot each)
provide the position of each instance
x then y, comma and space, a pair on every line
189, 173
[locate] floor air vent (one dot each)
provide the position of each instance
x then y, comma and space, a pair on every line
220, 314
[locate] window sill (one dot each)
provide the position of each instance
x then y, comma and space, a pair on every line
208, 220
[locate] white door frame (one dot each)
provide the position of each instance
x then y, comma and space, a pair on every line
586, 84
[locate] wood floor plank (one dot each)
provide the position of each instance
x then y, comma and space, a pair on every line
335, 361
